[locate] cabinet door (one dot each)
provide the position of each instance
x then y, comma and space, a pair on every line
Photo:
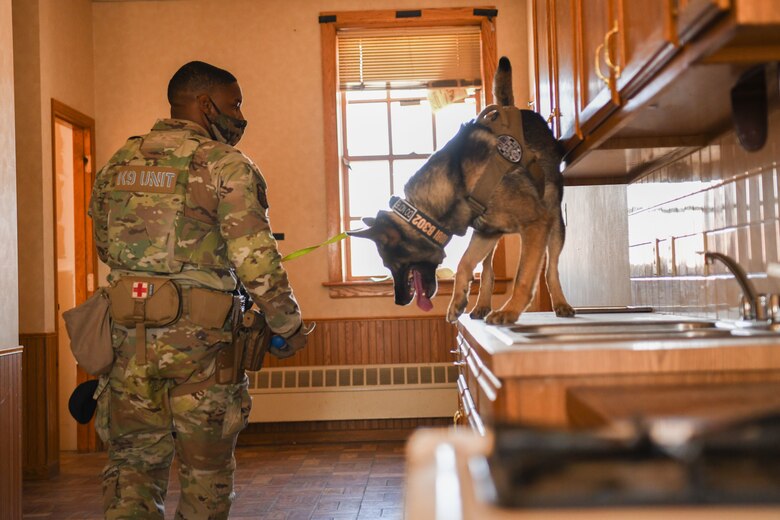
566, 72
642, 40
597, 93
543, 59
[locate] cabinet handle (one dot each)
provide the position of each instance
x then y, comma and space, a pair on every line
555, 113
456, 417
459, 363
601, 76
608, 55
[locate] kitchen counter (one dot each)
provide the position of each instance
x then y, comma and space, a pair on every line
446, 481
505, 381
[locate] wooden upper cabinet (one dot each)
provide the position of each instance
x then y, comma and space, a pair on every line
613, 75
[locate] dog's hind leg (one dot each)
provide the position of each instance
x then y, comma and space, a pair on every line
554, 246
532, 253
478, 248
486, 282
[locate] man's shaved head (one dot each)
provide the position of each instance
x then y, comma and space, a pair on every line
195, 78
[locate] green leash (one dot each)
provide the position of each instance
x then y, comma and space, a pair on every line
307, 250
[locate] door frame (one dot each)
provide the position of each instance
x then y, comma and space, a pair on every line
86, 264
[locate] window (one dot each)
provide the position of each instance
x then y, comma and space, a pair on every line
387, 136
396, 89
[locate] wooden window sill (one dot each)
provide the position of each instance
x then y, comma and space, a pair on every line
367, 288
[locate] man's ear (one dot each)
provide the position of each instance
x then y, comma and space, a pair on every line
204, 103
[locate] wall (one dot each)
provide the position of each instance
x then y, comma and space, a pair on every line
720, 198
9, 306
594, 264
10, 352
53, 59
274, 50
52, 46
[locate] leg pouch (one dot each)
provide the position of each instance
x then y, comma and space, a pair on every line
103, 392
103, 411
237, 411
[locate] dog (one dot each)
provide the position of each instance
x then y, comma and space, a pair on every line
499, 175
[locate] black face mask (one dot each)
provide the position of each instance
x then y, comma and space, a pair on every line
224, 128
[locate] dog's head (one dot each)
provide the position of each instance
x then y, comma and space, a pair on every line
411, 258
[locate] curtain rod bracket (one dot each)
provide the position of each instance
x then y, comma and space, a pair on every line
489, 13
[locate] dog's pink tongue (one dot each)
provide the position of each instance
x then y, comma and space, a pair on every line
423, 301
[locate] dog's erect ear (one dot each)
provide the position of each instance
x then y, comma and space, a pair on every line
362, 233
366, 232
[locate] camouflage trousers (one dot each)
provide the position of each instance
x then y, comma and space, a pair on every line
144, 425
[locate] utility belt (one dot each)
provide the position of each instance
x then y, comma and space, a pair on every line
154, 301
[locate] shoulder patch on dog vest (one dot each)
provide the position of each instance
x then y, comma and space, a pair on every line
147, 179
509, 148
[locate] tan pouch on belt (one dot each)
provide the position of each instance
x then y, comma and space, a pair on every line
144, 301
209, 308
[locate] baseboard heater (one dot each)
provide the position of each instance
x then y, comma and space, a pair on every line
351, 392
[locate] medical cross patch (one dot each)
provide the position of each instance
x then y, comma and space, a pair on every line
142, 290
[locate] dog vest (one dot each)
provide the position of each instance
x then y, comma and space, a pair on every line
507, 125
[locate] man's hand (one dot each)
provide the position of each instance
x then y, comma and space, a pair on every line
293, 343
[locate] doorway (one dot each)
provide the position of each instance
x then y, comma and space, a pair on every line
73, 144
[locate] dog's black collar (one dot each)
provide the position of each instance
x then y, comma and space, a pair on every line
424, 224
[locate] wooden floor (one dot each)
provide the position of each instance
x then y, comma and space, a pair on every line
316, 482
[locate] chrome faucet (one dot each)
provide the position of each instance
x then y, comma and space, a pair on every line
755, 307
748, 291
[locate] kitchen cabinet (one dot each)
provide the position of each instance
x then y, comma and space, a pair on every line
504, 382
649, 77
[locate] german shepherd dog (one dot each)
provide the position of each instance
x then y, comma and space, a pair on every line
525, 198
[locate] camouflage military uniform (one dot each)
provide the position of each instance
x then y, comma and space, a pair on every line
177, 203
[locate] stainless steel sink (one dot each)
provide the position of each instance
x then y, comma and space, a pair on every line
640, 330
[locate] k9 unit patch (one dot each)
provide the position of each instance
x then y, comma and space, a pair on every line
509, 148
147, 179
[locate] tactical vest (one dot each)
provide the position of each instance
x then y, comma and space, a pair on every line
152, 226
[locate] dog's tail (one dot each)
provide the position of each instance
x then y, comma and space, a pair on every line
502, 83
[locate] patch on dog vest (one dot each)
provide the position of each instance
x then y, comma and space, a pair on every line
509, 148
147, 179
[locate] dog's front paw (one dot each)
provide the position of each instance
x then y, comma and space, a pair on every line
564, 311
479, 313
456, 308
453, 314
502, 317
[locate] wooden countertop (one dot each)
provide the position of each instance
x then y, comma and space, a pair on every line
615, 357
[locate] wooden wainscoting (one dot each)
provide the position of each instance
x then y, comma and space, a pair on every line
41, 446
362, 341
375, 341
11, 433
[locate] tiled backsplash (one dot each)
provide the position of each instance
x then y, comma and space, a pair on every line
719, 198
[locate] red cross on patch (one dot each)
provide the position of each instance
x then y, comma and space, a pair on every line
141, 290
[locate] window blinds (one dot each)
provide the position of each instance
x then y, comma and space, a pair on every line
408, 57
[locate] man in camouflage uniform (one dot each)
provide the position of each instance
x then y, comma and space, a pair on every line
183, 203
